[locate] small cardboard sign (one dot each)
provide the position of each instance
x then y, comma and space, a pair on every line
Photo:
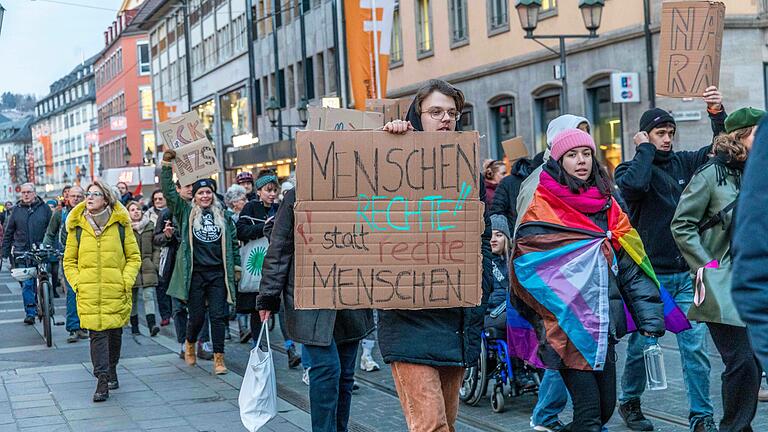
387, 221
182, 130
329, 119
690, 47
392, 109
194, 161
514, 148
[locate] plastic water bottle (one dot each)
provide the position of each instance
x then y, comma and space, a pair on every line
656, 377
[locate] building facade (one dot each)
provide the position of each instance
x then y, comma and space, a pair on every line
510, 83
124, 104
64, 135
16, 158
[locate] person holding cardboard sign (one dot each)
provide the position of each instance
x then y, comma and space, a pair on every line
207, 263
651, 184
429, 349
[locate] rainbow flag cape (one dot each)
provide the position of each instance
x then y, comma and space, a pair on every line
561, 264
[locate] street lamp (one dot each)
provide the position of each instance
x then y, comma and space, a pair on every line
273, 112
2, 12
591, 13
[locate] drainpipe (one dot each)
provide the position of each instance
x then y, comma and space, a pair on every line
251, 67
649, 54
187, 53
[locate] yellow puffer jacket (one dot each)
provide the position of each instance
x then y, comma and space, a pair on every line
100, 273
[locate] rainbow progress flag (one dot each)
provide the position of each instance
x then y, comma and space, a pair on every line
561, 264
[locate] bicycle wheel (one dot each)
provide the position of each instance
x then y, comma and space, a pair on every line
44, 300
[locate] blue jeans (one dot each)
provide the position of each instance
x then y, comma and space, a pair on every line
73, 320
330, 385
553, 396
693, 354
29, 295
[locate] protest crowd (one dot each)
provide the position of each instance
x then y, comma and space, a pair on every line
399, 240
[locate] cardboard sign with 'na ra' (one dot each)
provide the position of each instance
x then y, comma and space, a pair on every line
691, 43
182, 130
194, 161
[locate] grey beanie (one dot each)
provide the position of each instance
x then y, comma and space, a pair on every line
499, 223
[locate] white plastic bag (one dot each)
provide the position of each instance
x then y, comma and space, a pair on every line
258, 393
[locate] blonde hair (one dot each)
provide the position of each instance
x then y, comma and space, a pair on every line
733, 143
109, 197
491, 167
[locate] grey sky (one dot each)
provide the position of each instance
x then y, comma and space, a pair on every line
41, 40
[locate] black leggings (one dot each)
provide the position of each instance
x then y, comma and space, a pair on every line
740, 379
593, 394
208, 285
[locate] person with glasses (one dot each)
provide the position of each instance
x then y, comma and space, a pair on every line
26, 226
157, 205
56, 237
101, 261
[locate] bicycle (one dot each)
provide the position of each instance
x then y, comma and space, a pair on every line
41, 257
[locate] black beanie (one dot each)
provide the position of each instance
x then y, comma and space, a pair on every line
655, 117
209, 183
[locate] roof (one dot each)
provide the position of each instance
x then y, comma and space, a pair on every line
16, 130
150, 11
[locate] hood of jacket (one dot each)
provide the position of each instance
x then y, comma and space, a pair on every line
565, 121
76, 217
415, 118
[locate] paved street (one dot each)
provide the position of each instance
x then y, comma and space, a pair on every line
49, 389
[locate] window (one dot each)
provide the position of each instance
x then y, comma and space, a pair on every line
458, 21
606, 126
207, 112
548, 8
331, 77
498, 16
145, 103
467, 121
547, 109
503, 115
290, 89
309, 92
143, 54
396, 47
147, 142
281, 82
424, 29
320, 74
234, 115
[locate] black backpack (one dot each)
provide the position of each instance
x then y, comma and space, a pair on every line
120, 229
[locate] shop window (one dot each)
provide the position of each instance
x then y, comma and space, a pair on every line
234, 115
503, 116
547, 107
606, 126
207, 113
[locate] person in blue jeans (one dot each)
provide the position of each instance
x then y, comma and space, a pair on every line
651, 185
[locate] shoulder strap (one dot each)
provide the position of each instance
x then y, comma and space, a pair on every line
717, 218
120, 229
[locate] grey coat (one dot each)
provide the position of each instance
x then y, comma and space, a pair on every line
311, 327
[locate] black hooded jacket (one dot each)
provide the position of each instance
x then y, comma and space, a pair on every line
438, 337
26, 225
505, 200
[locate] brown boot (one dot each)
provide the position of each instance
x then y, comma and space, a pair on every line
218, 364
189, 353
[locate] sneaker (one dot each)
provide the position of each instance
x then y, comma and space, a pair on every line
633, 416
368, 364
553, 426
706, 424
762, 396
29, 320
72, 337
294, 360
82, 334
305, 376
205, 351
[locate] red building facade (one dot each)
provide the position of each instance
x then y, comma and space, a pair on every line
124, 104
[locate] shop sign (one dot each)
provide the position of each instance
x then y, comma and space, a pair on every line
625, 87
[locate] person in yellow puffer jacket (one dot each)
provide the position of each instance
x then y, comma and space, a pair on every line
101, 263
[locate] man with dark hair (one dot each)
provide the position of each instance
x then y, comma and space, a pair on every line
651, 184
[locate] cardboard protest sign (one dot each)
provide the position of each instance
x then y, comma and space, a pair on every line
514, 148
393, 109
195, 161
330, 119
181, 130
691, 41
387, 221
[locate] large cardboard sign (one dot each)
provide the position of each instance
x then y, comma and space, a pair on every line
195, 154
330, 119
387, 221
691, 42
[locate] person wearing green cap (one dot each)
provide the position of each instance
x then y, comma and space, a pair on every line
702, 229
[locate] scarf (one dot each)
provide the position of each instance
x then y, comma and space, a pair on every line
587, 201
139, 226
99, 220
662, 157
726, 166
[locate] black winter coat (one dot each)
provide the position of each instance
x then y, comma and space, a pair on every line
25, 226
250, 226
311, 327
505, 199
438, 337
651, 188
750, 251
160, 240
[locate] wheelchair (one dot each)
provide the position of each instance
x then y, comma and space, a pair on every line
511, 377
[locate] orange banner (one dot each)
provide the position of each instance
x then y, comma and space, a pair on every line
45, 140
365, 37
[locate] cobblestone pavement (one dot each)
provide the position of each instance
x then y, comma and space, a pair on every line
50, 388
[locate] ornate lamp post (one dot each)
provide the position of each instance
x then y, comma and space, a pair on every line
273, 114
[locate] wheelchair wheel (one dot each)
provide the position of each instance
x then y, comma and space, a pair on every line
475, 383
497, 400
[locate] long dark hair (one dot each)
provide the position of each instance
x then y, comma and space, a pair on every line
598, 177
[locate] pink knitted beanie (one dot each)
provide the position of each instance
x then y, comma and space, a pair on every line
570, 139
